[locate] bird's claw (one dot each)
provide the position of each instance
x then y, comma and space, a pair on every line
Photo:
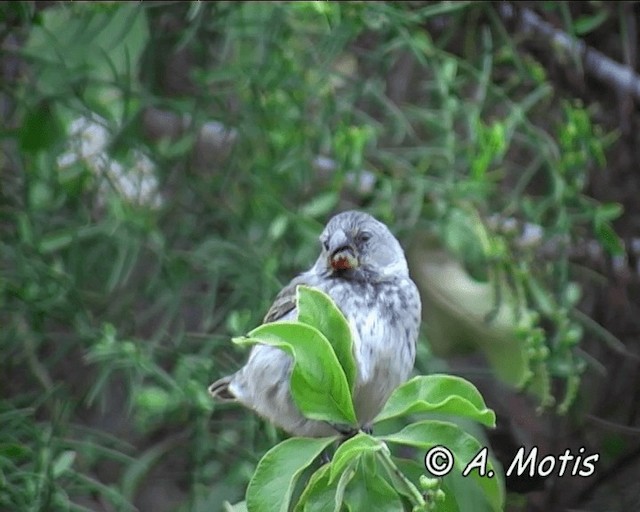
347, 431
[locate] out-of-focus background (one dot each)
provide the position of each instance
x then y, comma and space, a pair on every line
166, 167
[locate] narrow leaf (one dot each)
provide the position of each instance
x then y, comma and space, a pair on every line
347, 476
370, 491
609, 238
63, 463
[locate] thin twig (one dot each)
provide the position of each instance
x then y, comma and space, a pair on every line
416, 497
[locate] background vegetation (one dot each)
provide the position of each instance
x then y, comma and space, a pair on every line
167, 167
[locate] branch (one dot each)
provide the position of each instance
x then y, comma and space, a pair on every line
597, 64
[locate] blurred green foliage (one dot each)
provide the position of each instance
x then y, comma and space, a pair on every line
128, 259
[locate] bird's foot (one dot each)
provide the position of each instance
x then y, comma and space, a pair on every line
348, 431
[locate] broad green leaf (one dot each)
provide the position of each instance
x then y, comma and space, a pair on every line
461, 495
272, 484
319, 493
369, 490
316, 309
412, 471
237, 507
318, 384
446, 394
322, 495
352, 449
464, 447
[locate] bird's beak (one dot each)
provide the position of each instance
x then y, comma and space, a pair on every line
342, 255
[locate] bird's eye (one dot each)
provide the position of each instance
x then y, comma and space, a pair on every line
325, 244
364, 236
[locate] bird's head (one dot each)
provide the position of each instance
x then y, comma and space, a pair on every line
357, 246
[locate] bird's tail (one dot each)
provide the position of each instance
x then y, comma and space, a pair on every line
220, 390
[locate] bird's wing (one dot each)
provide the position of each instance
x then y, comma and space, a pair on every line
285, 301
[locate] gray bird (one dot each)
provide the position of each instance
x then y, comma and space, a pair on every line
363, 269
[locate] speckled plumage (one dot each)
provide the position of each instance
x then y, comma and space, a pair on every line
379, 300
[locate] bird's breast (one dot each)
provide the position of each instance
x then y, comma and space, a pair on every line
384, 324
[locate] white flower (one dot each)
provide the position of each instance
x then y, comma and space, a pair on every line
88, 142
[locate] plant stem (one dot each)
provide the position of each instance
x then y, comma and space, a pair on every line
414, 494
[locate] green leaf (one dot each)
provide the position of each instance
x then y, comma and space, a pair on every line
464, 447
237, 507
319, 494
608, 211
90, 48
345, 478
272, 484
318, 310
412, 470
41, 128
446, 394
278, 227
318, 384
153, 400
544, 299
460, 496
585, 24
321, 205
351, 450
56, 240
609, 238
63, 463
370, 491
15, 451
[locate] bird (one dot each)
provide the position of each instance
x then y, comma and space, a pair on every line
362, 267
